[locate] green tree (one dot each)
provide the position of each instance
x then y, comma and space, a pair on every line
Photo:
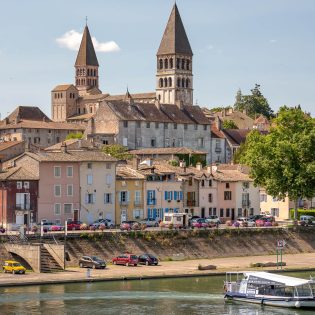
255, 103
283, 161
73, 135
229, 124
117, 151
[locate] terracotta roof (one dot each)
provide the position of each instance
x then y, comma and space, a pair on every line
195, 113
230, 175
261, 119
17, 173
7, 144
26, 113
71, 156
62, 87
175, 40
216, 133
179, 150
81, 117
236, 136
125, 172
72, 144
86, 55
95, 97
175, 114
135, 96
32, 124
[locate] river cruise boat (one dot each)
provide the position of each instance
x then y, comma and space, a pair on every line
270, 289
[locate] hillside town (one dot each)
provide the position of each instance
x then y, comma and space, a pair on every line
180, 155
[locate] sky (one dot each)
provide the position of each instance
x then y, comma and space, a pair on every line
236, 44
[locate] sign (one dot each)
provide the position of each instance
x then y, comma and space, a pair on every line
281, 243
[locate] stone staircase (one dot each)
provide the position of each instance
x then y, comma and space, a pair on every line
47, 262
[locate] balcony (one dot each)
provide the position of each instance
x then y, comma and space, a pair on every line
23, 206
124, 203
191, 203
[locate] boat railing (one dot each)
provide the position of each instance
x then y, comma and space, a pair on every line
232, 286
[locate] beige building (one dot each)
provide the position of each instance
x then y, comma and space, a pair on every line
129, 194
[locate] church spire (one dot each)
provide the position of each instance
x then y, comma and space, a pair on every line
175, 39
86, 64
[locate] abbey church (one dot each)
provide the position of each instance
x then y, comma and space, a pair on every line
164, 118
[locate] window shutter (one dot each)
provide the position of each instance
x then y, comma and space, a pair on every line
110, 198
175, 195
165, 195
171, 195
154, 201
94, 198
181, 195
86, 199
119, 196
128, 195
154, 213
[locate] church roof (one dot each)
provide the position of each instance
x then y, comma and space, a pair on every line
174, 39
27, 113
62, 87
86, 55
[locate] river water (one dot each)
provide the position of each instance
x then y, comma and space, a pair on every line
166, 296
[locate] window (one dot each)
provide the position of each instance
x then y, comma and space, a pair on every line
57, 190
177, 63
148, 125
125, 124
137, 214
161, 82
185, 126
168, 195
239, 212
125, 142
245, 185
210, 182
166, 63
205, 127
209, 197
109, 179
165, 125
151, 197
124, 197
69, 190
180, 142
245, 200
200, 142
90, 198
57, 171
107, 198
170, 83
263, 198
251, 211
275, 212
227, 185
227, 195
156, 125
69, 171
89, 165
227, 214
175, 126
89, 179
108, 166
57, 209
19, 185
137, 197
138, 124
221, 212
167, 142
202, 183
26, 185
67, 208
161, 63
138, 142
190, 181
153, 142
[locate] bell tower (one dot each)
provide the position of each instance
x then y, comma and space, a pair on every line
174, 78
86, 65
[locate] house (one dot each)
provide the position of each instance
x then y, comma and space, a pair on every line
18, 197
30, 124
129, 194
220, 150
11, 149
65, 181
261, 123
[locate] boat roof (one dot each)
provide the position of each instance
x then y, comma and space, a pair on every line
286, 280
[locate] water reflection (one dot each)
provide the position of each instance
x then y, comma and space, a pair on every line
167, 296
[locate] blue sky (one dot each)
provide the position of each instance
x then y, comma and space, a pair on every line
235, 43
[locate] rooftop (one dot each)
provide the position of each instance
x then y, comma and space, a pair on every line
161, 151
17, 173
8, 144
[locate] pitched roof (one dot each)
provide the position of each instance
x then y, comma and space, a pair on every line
86, 55
236, 136
72, 144
241, 120
17, 173
135, 96
27, 113
125, 172
161, 151
7, 144
174, 38
216, 133
62, 87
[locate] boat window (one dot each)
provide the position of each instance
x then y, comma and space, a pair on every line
303, 290
313, 288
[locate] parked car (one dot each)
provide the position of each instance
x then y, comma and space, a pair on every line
199, 223
126, 259
130, 225
251, 223
213, 218
150, 222
2, 229
74, 225
46, 225
265, 221
57, 227
108, 223
243, 221
256, 217
192, 218
92, 262
307, 220
148, 259
13, 267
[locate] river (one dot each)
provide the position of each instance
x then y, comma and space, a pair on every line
184, 296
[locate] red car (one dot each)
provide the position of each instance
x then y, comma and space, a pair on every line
126, 259
264, 221
73, 225
199, 223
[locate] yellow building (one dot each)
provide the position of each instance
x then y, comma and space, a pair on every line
129, 194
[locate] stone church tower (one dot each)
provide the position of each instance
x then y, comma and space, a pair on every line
86, 65
174, 79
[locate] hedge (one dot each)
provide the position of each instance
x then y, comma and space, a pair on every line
302, 212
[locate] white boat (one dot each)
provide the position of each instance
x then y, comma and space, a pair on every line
270, 289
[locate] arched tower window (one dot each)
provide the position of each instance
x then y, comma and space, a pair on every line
165, 82
171, 63
187, 83
177, 63
183, 82
170, 82
178, 82
166, 63
94, 73
187, 64
159, 97
161, 82
88, 72
183, 63
161, 63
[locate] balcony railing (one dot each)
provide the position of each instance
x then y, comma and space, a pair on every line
124, 203
25, 206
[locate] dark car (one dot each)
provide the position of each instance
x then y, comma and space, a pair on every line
194, 217
126, 259
73, 225
92, 262
148, 259
256, 217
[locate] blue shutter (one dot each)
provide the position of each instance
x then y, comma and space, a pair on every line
175, 195
166, 210
148, 197
154, 213
181, 195
176, 210
171, 195
165, 195
154, 200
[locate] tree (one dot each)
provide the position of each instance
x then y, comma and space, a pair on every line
117, 151
283, 161
73, 135
255, 103
229, 124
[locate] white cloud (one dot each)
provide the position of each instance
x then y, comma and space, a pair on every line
72, 39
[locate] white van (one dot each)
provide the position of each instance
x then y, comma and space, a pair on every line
307, 220
178, 220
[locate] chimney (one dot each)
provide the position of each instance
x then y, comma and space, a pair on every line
157, 104
198, 166
63, 147
182, 164
209, 169
214, 168
179, 104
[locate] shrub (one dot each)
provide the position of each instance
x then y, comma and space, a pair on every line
302, 212
34, 228
236, 224
171, 226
